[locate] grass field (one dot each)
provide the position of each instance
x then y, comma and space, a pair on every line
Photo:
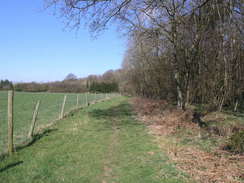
102, 143
24, 104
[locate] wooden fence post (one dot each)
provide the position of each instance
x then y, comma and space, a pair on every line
10, 122
86, 100
77, 101
63, 106
34, 118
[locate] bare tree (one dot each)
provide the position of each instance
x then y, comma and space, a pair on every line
192, 49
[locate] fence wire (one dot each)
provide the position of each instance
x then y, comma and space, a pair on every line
49, 111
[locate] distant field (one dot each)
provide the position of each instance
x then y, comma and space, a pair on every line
24, 104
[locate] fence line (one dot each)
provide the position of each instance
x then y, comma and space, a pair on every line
33, 110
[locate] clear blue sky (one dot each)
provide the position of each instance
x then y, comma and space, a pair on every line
35, 47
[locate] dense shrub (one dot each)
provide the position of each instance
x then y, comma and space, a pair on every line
236, 143
104, 87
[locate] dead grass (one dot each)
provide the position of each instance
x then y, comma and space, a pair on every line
223, 124
165, 121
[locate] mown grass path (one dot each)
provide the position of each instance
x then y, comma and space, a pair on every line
100, 144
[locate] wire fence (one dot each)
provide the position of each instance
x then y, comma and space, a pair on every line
49, 111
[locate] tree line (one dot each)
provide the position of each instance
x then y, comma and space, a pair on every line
196, 58
6, 85
105, 83
186, 51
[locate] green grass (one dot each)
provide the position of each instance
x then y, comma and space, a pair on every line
24, 104
102, 143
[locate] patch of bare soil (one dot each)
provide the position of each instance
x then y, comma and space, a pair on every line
164, 120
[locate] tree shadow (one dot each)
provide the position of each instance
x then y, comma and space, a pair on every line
120, 115
11, 165
122, 110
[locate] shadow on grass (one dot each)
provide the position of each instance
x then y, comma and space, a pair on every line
10, 166
30, 142
122, 110
35, 138
120, 115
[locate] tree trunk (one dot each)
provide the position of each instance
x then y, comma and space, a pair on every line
179, 92
236, 105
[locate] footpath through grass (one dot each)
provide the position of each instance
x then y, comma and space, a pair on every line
102, 143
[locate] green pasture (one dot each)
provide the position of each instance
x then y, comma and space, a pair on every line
24, 104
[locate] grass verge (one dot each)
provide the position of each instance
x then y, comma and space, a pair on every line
101, 143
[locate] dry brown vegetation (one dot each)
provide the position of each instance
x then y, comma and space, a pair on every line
166, 122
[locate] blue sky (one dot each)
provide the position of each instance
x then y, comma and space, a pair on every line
35, 47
